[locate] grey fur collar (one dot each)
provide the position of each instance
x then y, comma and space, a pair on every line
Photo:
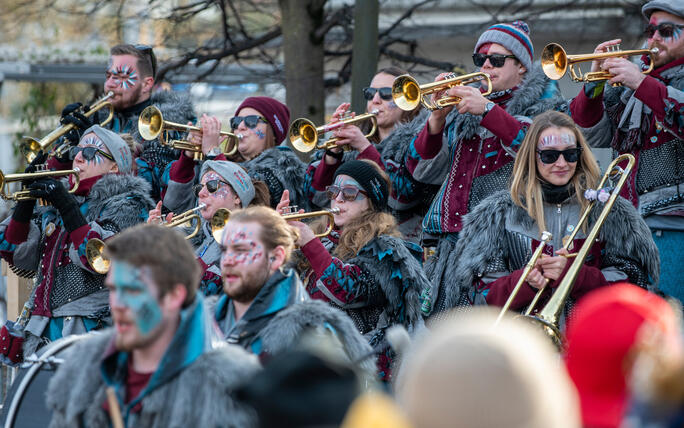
482, 239
527, 101
78, 390
285, 330
114, 193
396, 144
282, 163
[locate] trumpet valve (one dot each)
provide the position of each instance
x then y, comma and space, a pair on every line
291, 209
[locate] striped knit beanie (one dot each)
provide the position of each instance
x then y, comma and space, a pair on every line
514, 36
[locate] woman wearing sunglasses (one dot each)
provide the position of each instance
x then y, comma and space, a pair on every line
552, 171
408, 199
262, 124
644, 116
69, 296
223, 184
469, 149
363, 266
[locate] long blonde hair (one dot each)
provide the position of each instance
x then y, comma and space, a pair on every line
526, 182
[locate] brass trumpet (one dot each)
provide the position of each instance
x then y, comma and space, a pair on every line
290, 213
186, 220
95, 255
151, 125
303, 134
30, 146
23, 194
555, 62
407, 94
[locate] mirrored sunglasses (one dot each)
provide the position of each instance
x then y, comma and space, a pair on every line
665, 29
349, 193
551, 156
251, 121
496, 60
212, 186
385, 93
88, 153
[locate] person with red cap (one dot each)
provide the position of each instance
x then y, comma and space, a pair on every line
601, 337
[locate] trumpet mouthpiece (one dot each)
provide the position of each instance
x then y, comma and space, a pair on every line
375, 111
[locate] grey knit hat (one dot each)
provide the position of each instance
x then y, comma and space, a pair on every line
514, 36
675, 7
116, 146
235, 176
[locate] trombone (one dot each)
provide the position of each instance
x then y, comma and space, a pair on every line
24, 194
407, 94
151, 125
218, 222
30, 146
555, 62
186, 220
290, 213
303, 134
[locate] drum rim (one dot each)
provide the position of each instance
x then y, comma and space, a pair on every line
14, 404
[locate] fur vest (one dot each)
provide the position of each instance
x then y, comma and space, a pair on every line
280, 168
483, 243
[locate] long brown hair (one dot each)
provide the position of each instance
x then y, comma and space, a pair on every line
363, 229
525, 180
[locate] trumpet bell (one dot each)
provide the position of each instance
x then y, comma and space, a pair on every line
218, 223
554, 61
303, 135
150, 123
406, 92
95, 255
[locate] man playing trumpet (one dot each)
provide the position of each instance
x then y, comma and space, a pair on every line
468, 149
69, 297
644, 117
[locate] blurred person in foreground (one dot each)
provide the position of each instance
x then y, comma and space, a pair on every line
603, 337
469, 373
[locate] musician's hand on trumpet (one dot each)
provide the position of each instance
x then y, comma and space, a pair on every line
306, 235
208, 136
155, 215
625, 72
472, 100
71, 114
348, 134
607, 46
438, 116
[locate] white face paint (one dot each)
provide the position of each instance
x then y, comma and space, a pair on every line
349, 210
560, 172
98, 165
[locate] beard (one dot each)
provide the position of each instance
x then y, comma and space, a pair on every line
128, 98
250, 283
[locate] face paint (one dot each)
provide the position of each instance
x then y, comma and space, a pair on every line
223, 191
259, 133
132, 291
391, 104
341, 181
563, 139
241, 248
93, 142
124, 75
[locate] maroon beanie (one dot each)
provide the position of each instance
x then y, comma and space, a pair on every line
276, 114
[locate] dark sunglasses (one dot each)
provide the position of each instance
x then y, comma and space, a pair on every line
251, 121
212, 186
496, 60
147, 50
665, 29
349, 193
385, 93
551, 156
88, 153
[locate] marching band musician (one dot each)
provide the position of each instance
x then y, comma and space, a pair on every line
163, 359
69, 297
387, 147
130, 75
468, 149
223, 184
644, 116
264, 306
363, 266
553, 168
